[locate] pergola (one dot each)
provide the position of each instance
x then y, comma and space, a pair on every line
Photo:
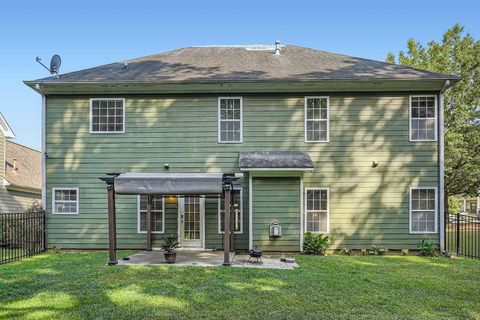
176, 184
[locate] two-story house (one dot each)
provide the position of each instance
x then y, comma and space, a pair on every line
327, 143
20, 173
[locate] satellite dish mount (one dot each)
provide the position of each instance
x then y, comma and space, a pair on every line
54, 64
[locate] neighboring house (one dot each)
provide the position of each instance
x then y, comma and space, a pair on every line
20, 180
470, 204
328, 143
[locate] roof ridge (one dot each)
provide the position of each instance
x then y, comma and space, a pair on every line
24, 146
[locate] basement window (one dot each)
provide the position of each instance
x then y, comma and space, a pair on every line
65, 201
230, 120
158, 217
423, 118
316, 119
107, 115
423, 210
237, 210
316, 210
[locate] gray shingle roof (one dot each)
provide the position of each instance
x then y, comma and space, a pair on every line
29, 166
236, 63
275, 160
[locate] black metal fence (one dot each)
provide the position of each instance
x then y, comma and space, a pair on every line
21, 235
462, 235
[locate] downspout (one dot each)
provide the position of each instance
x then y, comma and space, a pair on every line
44, 149
441, 159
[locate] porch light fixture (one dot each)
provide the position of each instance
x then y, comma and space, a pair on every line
171, 199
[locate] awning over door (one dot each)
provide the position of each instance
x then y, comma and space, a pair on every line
275, 160
169, 183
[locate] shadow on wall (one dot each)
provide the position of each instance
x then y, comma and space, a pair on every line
365, 204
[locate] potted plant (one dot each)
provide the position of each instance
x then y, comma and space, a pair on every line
171, 243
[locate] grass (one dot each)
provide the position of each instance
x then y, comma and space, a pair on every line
80, 286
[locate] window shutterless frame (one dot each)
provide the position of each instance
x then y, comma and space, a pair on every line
219, 120
153, 212
91, 115
318, 120
76, 189
410, 210
240, 217
305, 204
410, 116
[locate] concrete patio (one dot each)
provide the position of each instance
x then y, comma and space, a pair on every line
205, 259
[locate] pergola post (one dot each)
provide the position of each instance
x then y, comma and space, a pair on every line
149, 222
112, 229
227, 189
232, 224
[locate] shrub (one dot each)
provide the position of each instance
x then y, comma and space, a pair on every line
363, 251
405, 251
427, 248
346, 252
315, 243
377, 251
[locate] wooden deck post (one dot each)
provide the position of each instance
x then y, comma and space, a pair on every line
112, 228
149, 222
227, 188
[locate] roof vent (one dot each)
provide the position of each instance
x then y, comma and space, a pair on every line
277, 48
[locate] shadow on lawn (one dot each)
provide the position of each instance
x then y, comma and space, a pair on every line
47, 288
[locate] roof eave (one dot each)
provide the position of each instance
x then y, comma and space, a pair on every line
247, 86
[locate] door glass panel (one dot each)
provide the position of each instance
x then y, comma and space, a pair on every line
192, 219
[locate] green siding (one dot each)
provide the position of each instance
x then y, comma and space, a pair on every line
276, 199
368, 205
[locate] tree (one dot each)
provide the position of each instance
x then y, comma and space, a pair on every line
459, 54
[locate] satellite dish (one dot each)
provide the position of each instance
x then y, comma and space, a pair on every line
55, 64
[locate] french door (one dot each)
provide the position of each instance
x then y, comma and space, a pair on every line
191, 215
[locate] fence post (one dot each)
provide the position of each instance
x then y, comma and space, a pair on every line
458, 233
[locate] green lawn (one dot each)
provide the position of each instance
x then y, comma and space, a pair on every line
80, 286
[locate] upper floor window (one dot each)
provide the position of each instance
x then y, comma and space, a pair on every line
237, 212
65, 200
316, 119
158, 218
423, 210
230, 120
316, 210
423, 118
107, 115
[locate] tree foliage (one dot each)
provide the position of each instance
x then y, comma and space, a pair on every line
458, 53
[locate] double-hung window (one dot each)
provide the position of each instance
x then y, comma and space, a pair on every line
316, 119
230, 120
158, 216
423, 118
237, 212
423, 210
107, 115
65, 201
317, 210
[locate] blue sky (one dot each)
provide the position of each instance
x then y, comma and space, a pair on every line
90, 33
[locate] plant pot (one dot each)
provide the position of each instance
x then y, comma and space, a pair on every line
170, 257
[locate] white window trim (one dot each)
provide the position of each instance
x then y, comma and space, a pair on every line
410, 117
91, 116
163, 217
410, 210
219, 120
241, 214
65, 188
305, 119
306, 211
